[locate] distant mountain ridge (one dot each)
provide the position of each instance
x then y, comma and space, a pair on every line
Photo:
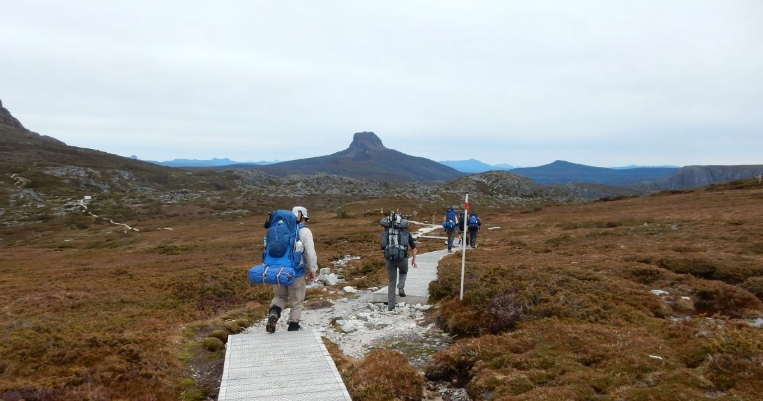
365, 158
474, 166
699, 176
635, 166
215, 162
561, 172
41, 157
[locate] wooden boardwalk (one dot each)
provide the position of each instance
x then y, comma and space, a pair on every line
295, 365
287, 365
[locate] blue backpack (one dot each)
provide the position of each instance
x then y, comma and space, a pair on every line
450, 219
474, 221
282, 256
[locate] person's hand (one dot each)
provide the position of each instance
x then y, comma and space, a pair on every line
310, 276
413, 262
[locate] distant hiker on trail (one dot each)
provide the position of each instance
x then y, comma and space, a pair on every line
450, 224
395, 241
474, 224
295, 293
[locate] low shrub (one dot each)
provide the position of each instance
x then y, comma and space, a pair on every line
504, 312
213, 344
755, 286
716, 297
243, 323
233, 327
222, 335
385, 375
696, 267
756, 248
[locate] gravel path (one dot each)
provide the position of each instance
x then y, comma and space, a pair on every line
358, 326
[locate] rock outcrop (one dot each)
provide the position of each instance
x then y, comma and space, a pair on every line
363, 144
7, 119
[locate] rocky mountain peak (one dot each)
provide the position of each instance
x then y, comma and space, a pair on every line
363, 144
7, 119
366, 141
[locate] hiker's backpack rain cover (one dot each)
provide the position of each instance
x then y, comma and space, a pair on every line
281, 263
474, 221
450, 219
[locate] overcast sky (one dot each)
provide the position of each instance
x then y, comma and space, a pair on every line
602, 83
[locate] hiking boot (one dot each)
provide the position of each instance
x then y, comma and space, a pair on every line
273, 314
401, 292
294, 326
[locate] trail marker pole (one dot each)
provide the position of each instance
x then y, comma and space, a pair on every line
463, 247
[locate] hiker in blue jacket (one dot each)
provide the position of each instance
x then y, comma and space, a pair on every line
474, 224
295, 293
450, 224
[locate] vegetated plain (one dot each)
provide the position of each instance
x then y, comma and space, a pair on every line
560, 302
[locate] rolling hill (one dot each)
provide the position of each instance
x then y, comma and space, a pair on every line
474, 166
561, 172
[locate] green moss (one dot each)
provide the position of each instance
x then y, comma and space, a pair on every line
213, 344
221, 335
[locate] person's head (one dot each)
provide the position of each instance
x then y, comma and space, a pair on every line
300, 212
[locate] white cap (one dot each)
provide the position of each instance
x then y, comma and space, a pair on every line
300, 209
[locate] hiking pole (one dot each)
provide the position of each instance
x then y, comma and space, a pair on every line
463, 246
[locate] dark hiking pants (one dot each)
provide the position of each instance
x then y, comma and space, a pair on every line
393, 267
473, 237
451, 235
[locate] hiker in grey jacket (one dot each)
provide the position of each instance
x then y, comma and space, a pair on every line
295, 293
398, 263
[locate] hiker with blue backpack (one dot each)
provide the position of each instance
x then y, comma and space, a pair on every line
289, 261
474, 224
395, 241
450, 224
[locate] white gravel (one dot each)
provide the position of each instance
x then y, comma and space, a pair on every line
358, 326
